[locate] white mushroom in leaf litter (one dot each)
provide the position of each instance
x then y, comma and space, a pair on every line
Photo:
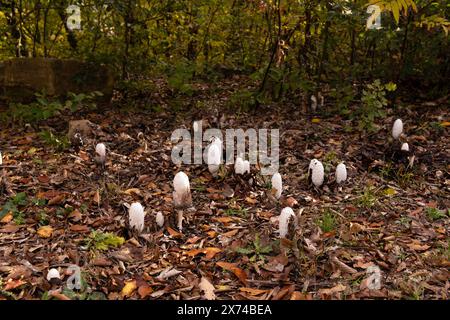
239, 166
277, 185
341, 173
100, 150
397, 128
317, 172
53, 274
182, 191
246, 166
159, 219
313, 103
182, 198
136, 216
284, 218
214, 159
405, 147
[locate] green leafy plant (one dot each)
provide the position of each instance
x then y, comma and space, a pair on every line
367, 199
180, 77
343, 96
436, 214
103, 241
44, 107
395, 6
327, 222
13, 205
373, 102
245, 99
60, 143
241, 212
405, 221
256, 250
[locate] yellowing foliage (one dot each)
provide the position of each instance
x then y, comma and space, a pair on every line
395, 6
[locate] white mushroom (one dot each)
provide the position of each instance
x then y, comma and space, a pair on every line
214, 158
136, 216
246, 166
100, 150
313, 103
277, 184
341, 173
405, 147
397, 128
182, 190
53, 274
159, 219
317, 172
284, 219
239, 166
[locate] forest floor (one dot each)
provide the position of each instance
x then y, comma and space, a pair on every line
61, 207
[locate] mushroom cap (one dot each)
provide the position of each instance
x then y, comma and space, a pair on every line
397, 128
136, 216
277, 184
405, 147
284, 218
159, 219
53, 274
100, 149
181, 182
214, 154
318, 171
246, 166
341, 173
239, 166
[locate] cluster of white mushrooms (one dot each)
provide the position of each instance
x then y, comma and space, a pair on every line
182, 198
317, 172
397, 130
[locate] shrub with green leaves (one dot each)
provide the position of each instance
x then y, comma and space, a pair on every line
256, 250
436, 214
327, 222
373, 102
103, 240
13, 205
60, 143
44, 107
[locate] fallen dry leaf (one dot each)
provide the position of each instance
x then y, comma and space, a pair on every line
45, 232
242, 276
7, 219
339, 288
208, 289
167, 273
296, 295
209, 252
10, 228
13, 284
79, 228
174, 234
144, 290
56, 200
253, 292
97, 197
132, 191
416, 246
129, 288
